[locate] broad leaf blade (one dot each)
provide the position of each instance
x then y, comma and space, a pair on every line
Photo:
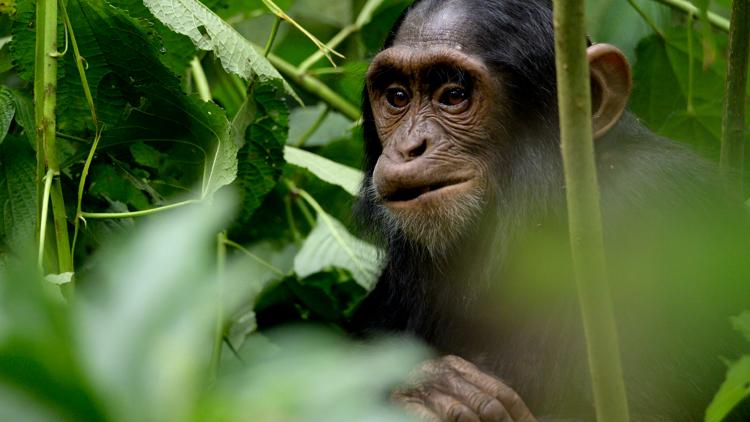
261, 159
209, 32
331, 245
328, 171
7, 111
157, 109
17, 193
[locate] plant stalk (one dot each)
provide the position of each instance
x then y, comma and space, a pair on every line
316, 87
733, 124
199, 77
584, 214
45, 102
221, 260
272, 37
685, 6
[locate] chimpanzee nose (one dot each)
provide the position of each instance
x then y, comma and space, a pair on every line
413, 149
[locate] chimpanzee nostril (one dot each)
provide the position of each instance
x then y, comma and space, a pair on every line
418, 150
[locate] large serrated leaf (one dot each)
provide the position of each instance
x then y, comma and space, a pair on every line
209, 32
330, 245
7, 111
17, 193
328, 171
158, 111
662, 83
261, 159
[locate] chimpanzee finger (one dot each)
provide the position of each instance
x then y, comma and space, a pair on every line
447, 407
411, 401
511, 401
486, 406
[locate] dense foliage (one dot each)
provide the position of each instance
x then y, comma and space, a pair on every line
234, 123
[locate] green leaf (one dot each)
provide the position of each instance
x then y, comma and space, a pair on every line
145, 155
732, 392
7, 111
110, 185
662, 88
157, 110
330, 245
261, 160
176, 50
328, 171
209, 32
17, 193
144, 326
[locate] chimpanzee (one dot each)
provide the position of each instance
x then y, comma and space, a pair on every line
464, 188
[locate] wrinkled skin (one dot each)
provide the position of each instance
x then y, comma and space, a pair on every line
438, 111
453, 389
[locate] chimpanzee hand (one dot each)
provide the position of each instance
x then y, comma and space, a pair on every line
451, 389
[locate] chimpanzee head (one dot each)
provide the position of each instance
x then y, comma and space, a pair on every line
462, 90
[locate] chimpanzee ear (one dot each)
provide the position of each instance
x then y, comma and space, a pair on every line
610, 86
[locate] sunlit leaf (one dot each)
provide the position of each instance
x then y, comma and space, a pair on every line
329, 171
209, 32
331, 245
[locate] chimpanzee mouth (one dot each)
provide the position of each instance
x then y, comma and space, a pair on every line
409, 194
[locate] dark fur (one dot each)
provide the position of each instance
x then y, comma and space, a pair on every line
540, 350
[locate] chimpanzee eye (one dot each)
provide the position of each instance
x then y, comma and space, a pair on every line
454, 96
397, 97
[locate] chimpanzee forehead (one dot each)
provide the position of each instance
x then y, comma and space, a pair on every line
445, 26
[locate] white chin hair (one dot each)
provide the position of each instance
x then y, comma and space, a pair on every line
438, 228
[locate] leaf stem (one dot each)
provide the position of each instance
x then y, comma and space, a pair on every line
82, 186
92, 108
254, 257
64, 257
221, 260
143, 213
316, 87
691, 68
333, 43
79, 63
290, 219
685, 6
314, 127
646, 18
733, 129
584, 214
272, 37
276, 10
44, 216
201, 82
364, 17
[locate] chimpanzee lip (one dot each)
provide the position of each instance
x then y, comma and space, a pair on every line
412, 194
